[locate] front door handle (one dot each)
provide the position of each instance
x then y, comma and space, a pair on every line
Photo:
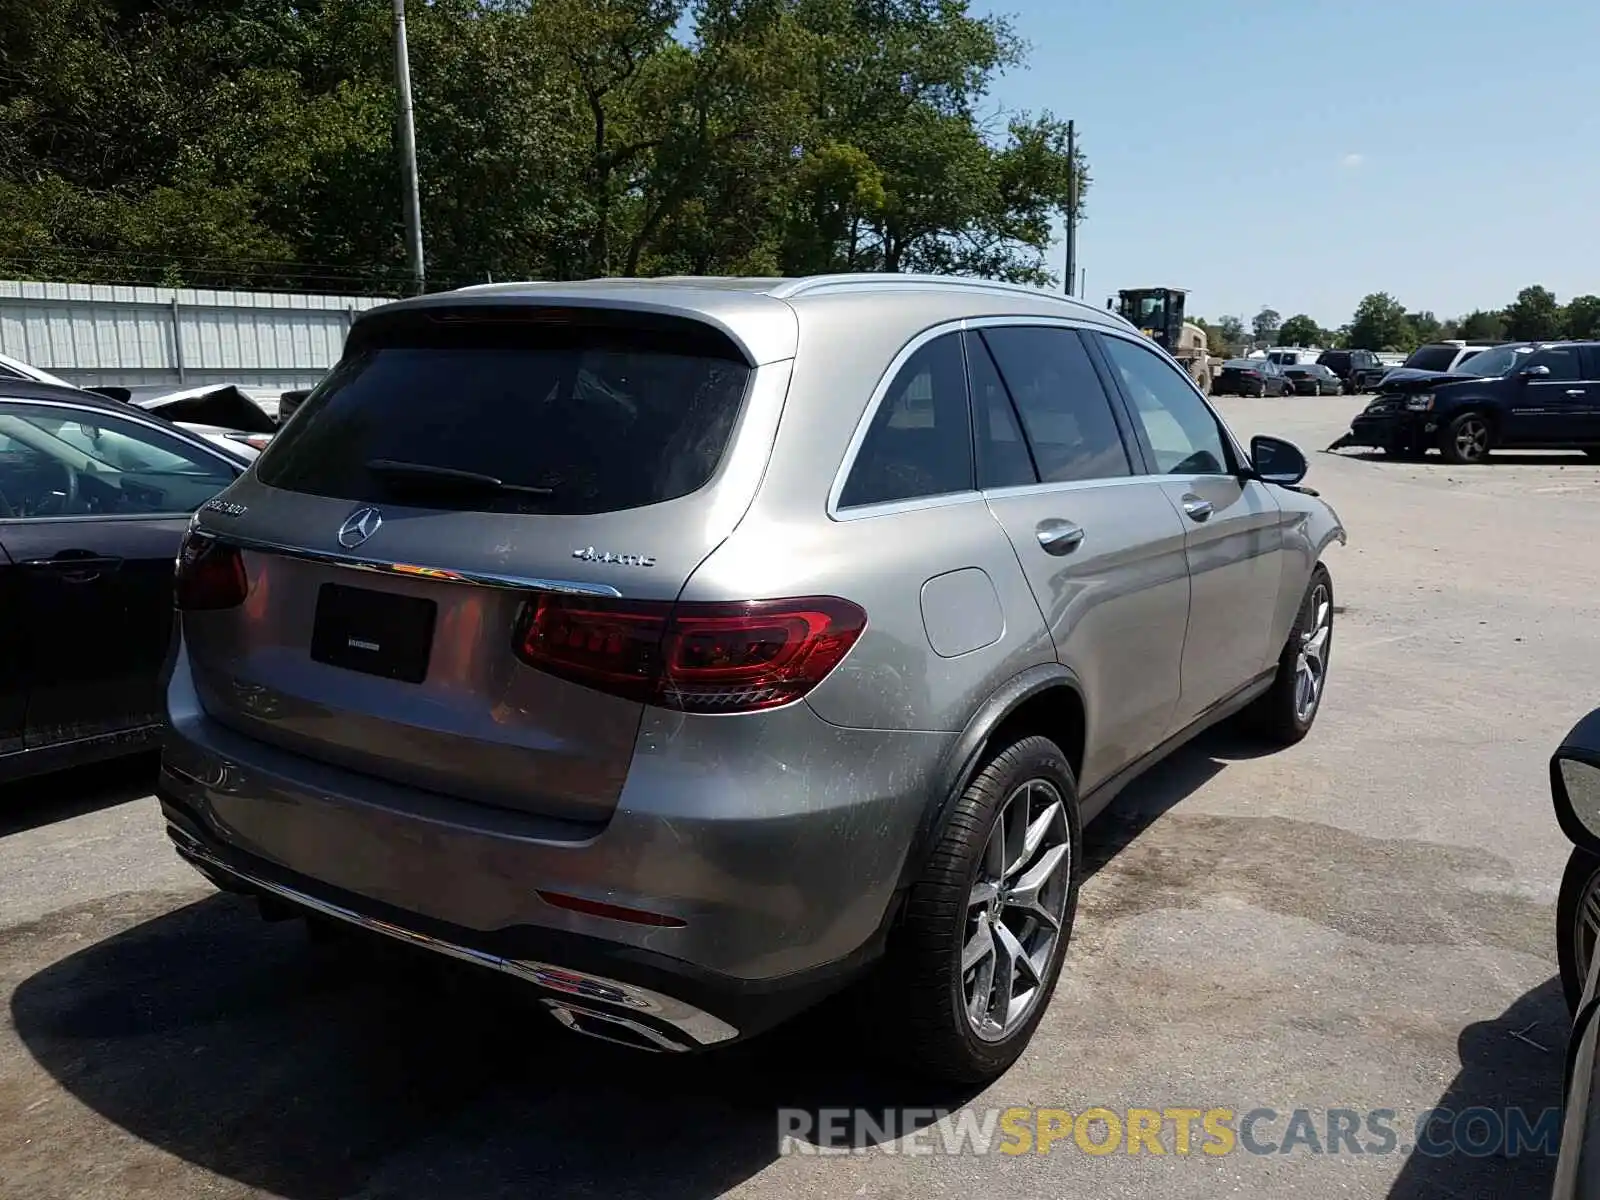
1195, 508
1577, 391
1057, 536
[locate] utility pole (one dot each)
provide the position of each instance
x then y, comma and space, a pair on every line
408, 148
1072, 204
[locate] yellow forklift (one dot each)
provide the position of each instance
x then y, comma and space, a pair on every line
1158, 314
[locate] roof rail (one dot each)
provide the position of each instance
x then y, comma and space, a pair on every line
812, 284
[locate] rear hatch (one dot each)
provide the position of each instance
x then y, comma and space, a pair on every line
396, 539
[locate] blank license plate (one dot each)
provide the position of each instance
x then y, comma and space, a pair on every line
374, 632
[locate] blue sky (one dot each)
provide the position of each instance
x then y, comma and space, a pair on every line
1300, 154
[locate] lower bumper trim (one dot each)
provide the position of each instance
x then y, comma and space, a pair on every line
699, 1027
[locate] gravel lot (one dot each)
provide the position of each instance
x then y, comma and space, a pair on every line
1365, 922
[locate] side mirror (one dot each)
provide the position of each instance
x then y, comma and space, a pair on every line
1538, 371
1575, 783
1278, 461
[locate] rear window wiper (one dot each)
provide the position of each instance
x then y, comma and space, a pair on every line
443, 478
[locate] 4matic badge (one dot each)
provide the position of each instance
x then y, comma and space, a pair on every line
590, 554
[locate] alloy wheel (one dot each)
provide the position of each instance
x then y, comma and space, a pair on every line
1311, 663
1586, 929
1016, 909
1472, 439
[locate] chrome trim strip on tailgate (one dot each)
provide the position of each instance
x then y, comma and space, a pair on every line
355, 562
700, 1027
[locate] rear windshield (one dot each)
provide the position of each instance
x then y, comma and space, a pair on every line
1433, 358
509, 413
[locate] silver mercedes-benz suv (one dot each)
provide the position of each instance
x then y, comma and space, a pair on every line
690, 648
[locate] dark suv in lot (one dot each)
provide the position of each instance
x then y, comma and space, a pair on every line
1358, 370
1525, 395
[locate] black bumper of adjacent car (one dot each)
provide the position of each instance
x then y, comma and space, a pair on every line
610, 981
1400, 428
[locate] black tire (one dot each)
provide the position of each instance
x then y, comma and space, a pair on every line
1277, 715
920, 1006
1592, 453
1467, 440
1574, 946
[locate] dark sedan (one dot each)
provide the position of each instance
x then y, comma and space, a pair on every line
1523, 395
1251, 377
95, 497
1312, 379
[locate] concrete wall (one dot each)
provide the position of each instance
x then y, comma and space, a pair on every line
94, 334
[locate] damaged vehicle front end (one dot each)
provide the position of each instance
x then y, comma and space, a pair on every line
1404, 418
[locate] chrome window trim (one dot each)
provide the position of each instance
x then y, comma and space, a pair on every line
356, 562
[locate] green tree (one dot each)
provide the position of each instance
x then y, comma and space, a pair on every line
555, 138
1583, 317
1300, 330
1380, 323
1425, 327
1265, 324
1533, 316
1230, 333
1479, 325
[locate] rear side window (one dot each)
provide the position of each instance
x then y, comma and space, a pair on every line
503, 410
1065, 411
920, 441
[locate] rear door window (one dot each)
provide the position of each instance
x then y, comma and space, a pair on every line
920, 441
508, 410
1065, 411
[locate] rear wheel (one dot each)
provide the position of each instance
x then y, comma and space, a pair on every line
971, 968
1284, 713
1467, 440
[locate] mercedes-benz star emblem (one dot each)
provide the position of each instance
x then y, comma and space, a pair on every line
359, 526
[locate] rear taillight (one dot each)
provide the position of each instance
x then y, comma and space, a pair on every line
697, 657
210, 574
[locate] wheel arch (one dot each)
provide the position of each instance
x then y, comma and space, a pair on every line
1047, 699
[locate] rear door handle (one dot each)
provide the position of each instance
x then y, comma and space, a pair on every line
1195, 508
1577, 391
1057, 536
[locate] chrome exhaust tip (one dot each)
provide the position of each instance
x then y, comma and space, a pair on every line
609, 1027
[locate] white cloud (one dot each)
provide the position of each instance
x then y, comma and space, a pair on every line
1352, 160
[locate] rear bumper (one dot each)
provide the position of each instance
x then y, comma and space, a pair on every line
774, 846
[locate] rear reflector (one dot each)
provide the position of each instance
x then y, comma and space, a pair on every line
210, 574
613, 912
697, 657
